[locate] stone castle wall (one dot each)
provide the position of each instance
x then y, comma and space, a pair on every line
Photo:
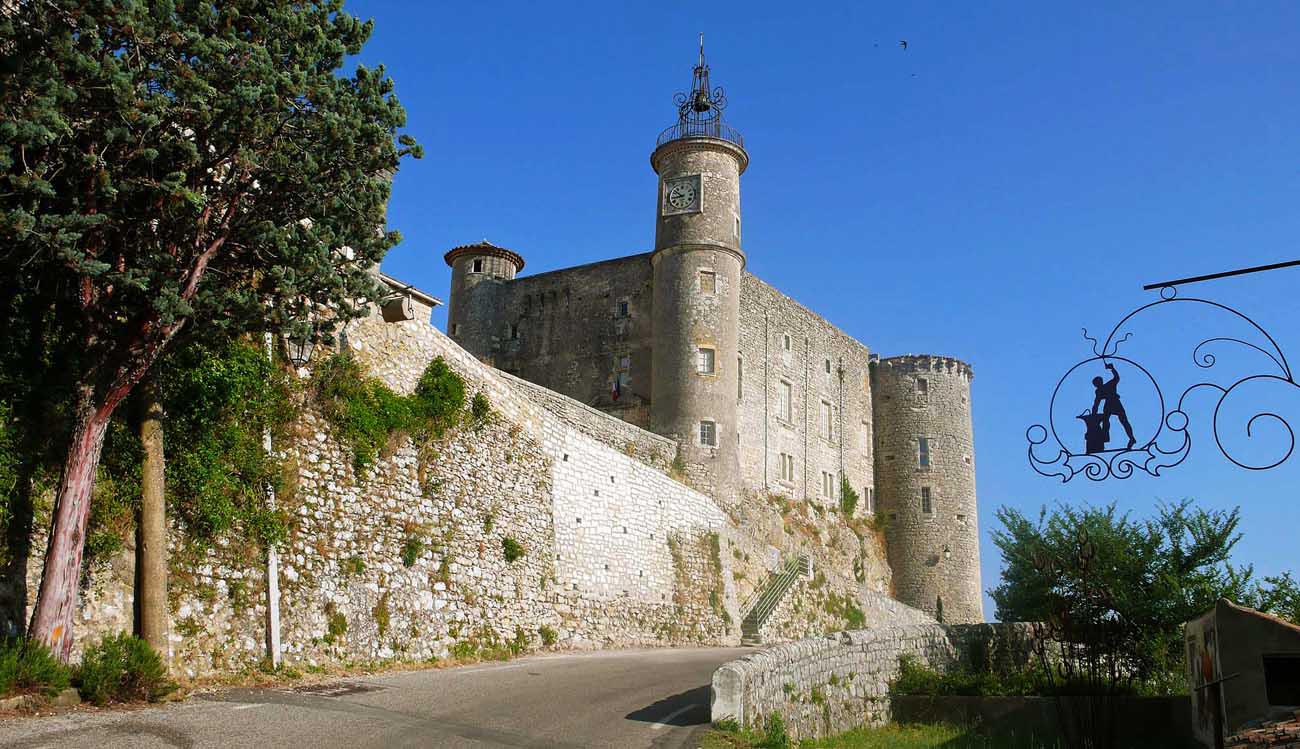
767, 317
568, 332
408, 559
928, 397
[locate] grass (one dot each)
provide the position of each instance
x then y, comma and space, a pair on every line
937, 736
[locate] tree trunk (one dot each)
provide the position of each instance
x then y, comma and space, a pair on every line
151, 530
57, 600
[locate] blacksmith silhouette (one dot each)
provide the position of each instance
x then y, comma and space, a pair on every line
1108, 398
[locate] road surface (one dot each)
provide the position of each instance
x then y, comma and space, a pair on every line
626, 699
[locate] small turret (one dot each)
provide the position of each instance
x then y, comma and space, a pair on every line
476, 269
925, 483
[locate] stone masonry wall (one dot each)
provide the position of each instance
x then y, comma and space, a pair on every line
767, 319
647, 447
827, 685
408, 559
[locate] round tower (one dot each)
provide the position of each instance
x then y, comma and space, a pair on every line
697, 271
475, 269
925, 483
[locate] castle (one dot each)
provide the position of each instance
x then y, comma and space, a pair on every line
760, 394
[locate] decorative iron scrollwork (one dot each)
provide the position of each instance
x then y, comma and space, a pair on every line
1169, 442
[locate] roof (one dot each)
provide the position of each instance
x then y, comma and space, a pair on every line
406, 288
485, 248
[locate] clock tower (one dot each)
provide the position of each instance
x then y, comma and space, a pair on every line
698, 262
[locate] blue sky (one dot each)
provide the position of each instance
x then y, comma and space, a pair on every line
1018, 173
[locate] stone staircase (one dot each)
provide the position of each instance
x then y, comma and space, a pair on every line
765, 600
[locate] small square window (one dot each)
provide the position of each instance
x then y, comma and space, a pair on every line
922, 387
708, 282
828, 366
455, 328
923, 452
478, 265
785, 342
708, 434
622, 309
514, 332
927, 505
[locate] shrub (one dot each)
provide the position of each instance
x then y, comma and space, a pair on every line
122, 668
775, 736
336, 624
29, 666
412, 547
438, 396
361, 410
511, 549
548, 635
848, 498
479, 408
520, 642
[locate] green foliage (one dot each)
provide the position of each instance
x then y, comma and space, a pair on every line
775, 736
479, 408
1127, 584
439, 396
848, 498
29, 666
511, 549
548, 635
383, 618
353, 566
365, 414
220, 400
520, 642
336, 624
412, 548
122, 668
844, 608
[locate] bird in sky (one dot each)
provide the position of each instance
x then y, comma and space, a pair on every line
903, 43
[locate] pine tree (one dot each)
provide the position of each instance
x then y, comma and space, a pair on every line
182, 167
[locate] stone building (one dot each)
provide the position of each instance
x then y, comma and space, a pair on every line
761, 395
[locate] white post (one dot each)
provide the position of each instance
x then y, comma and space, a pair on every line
272, 555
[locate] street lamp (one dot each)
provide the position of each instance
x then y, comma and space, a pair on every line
299, 349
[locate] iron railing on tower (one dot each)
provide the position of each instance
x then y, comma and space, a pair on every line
710, 128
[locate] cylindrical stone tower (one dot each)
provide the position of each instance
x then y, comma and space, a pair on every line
697, 270
925, 483
475, 270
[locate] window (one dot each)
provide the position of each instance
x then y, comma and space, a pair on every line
827, 421
740, 378
785, 342
708, 282
704, 361
514, 332
787, 467
625, 363
783, 401
922, 387
923, 452
828, 366
738, 228
709, 433
828, 485
871, 500
927, 506
478, 265
622, 309
455, 328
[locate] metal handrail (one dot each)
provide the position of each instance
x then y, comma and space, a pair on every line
711, 128
771, 594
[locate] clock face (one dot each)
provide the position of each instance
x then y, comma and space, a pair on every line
682, 195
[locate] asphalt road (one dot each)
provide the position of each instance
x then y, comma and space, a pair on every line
631, 699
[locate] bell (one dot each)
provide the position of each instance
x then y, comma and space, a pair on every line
701, 103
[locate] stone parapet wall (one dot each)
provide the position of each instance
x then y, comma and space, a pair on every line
827, 685
647, 447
